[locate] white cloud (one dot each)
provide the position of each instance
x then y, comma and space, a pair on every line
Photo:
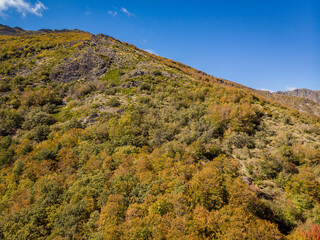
290, 88
112, 13
268, 90
124, 10
22, 7
151, 51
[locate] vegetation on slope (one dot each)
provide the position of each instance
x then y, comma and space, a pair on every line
100, 140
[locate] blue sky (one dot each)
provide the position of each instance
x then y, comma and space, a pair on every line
272, 44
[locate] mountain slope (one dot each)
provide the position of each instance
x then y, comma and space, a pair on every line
101, 140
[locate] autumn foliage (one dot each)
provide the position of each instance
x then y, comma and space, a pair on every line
148, 149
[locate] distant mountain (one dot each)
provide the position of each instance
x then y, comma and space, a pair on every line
303, 100
16, 31
9, 31
305, 93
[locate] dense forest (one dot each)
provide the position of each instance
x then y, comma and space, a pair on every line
101, 140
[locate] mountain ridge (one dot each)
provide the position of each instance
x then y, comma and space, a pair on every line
16, 31
313, 95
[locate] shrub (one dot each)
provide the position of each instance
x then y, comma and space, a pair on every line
10, 120
27, 148
213, 152
114, 102
40, 133
5, 142
162, 206
40, 97
73, 123
35, 118
197, 150
206, 188
241, 140
311, 234
18, 169
45, 154
6, 156
145, 86
84, 90
4, 87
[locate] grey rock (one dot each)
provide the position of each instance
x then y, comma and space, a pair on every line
130, 84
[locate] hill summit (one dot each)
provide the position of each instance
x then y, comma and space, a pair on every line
102, 140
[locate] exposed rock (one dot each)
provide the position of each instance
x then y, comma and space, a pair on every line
92, 63
120, 111
93, 116
87, 65
89, 120
130, 84
247, 180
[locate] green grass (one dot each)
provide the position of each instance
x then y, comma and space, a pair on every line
113, 76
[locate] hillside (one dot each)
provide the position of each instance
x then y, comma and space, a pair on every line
102, 140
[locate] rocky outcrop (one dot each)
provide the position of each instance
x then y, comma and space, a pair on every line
84, 66
94, 59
